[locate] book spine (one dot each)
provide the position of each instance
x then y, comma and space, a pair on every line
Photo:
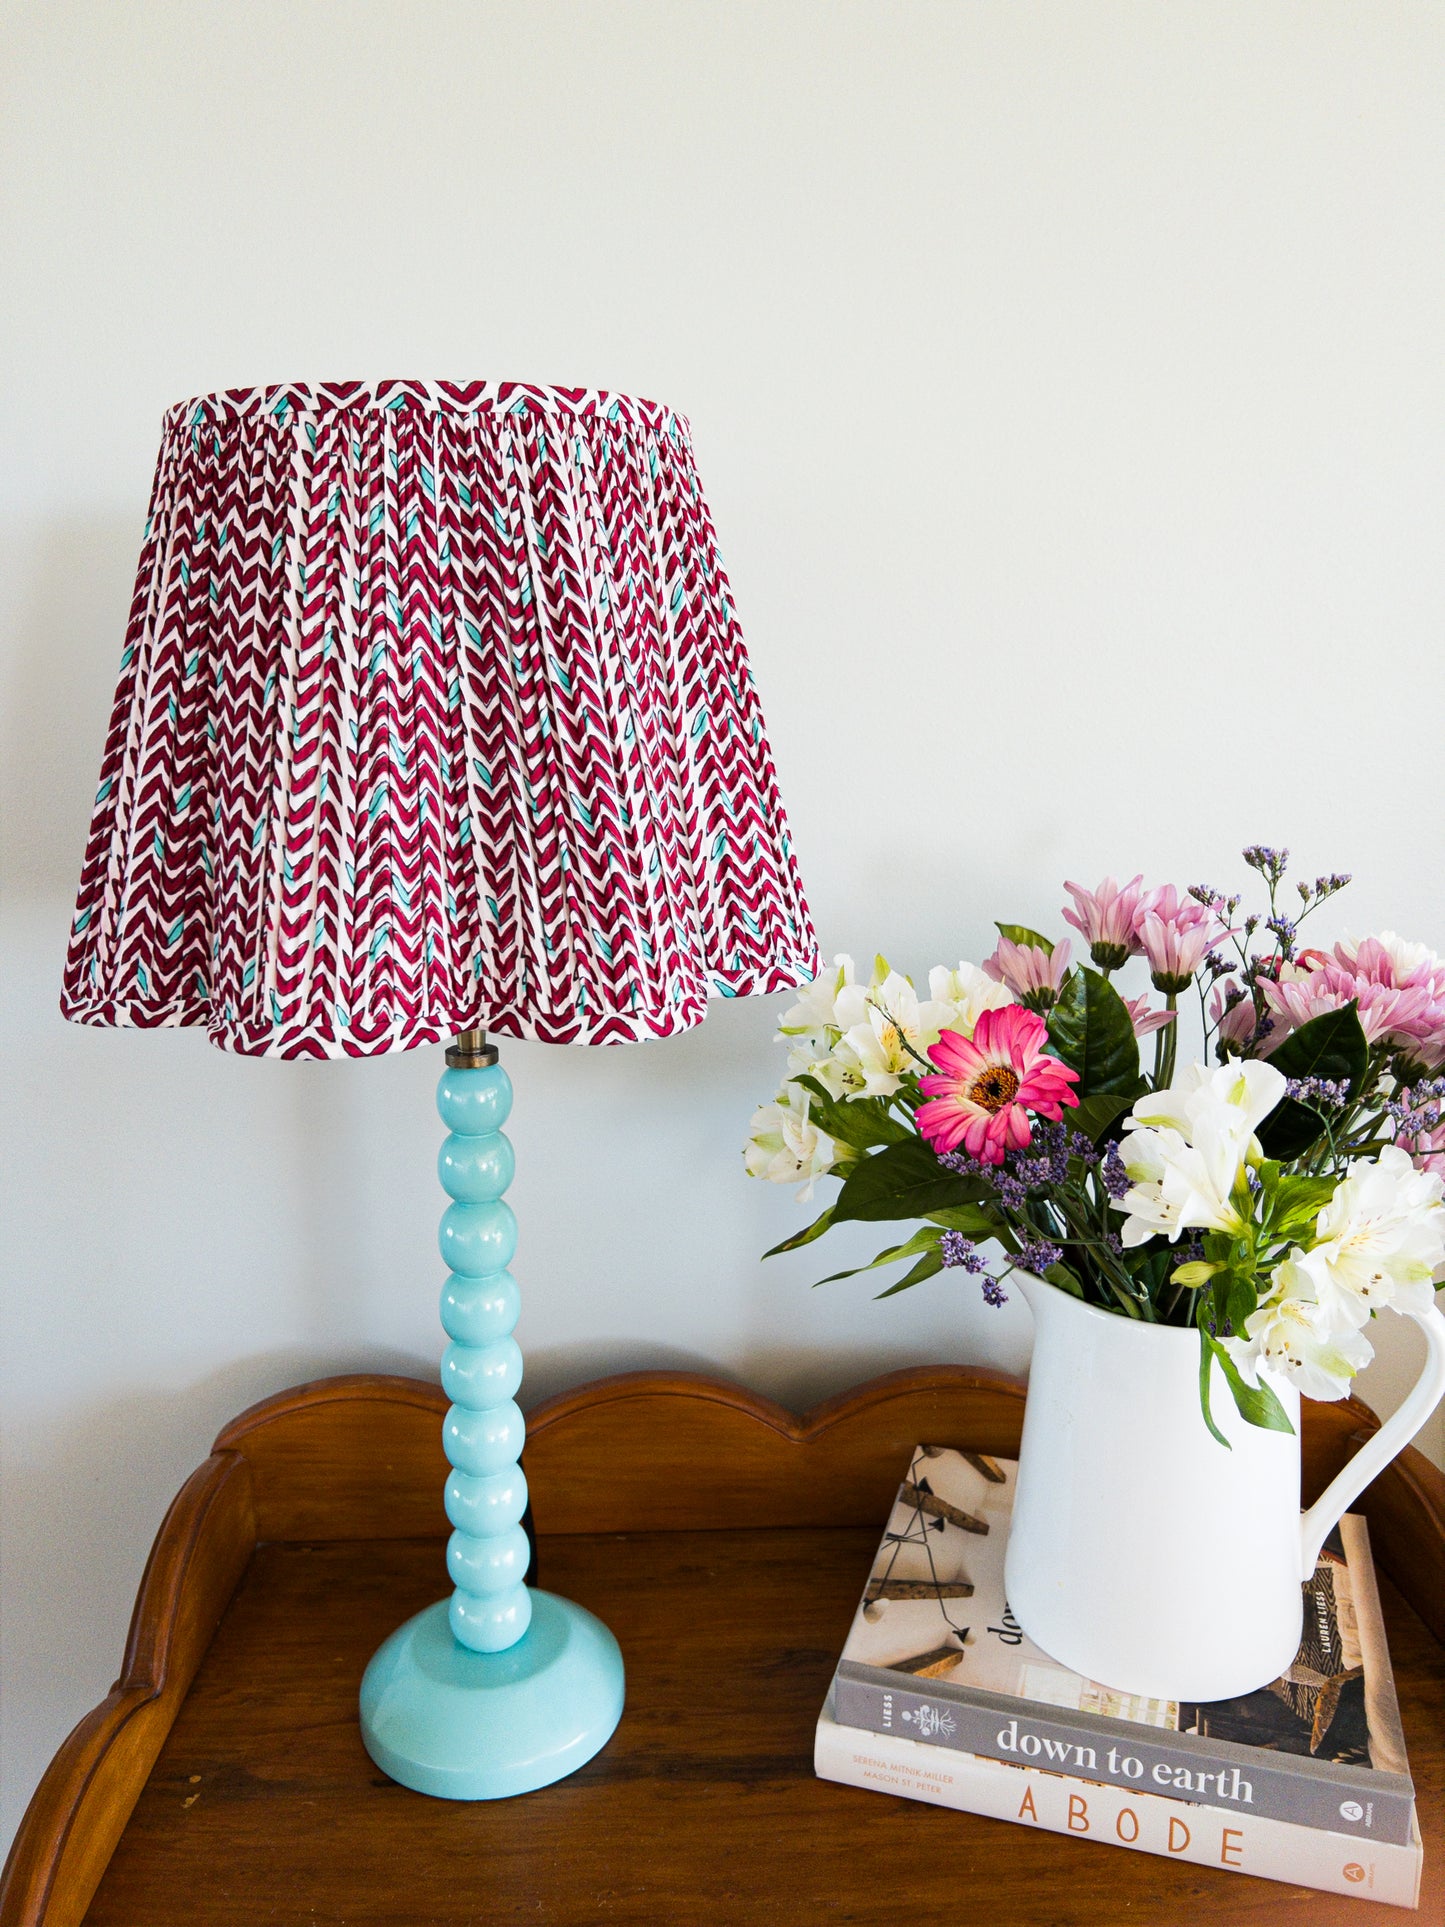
1108, 1815
1144, 1759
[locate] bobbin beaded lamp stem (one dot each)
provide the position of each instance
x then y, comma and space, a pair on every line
549, 1674
434, 714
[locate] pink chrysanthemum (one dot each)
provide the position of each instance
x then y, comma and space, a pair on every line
1033, 974
1177, 933
1389, 961
1145, 1018
987, 1085
1234, 1022
1108, 919
1397, 988
1384, 1012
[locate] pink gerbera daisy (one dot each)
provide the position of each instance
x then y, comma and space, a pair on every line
988, 1084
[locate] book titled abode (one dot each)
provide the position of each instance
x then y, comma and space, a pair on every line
1144, 1822
935, 1661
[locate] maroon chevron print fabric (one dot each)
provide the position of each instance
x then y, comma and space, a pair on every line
434, 711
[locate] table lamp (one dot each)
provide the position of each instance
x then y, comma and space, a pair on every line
434, 719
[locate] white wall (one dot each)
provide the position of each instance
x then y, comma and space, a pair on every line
1066, 381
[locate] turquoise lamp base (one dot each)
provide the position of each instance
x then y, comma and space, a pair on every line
463, 1725
500, 1689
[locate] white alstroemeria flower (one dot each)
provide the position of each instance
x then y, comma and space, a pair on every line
816, 1005
1186, 1148
1209, 1103
885, 1032
869, 1066
814, 1055
784, 1145
1379, 1241
1293, 1334
1142, 1155
968, 992
1179, 1186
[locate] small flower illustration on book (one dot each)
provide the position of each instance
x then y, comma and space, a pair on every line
931, 1723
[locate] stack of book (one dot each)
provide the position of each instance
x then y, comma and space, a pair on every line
941, 1696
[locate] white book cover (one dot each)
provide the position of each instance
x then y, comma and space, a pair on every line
1118, 1817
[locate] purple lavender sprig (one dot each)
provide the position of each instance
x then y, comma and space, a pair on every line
958, 1252
962, 1254
1112, 1175
1037, 1255
1418, 1108
1271, 865
1284, 931
1324, 1093
1041, 1165
1012, 1192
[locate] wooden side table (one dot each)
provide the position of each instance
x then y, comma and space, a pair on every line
725, 1541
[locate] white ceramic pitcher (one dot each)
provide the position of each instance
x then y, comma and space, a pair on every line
1143, 1554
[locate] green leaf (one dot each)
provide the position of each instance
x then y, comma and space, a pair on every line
1093, 1115
861, 1122
1090, 1030
1297, 1203
1020, 933
973, 1220
1257, 1403
1219, 1300
804, 1237
1329, 1046
925, 1240
902, 1181
1291, 1128
1066, 1279
1332, 1046
1241, 1300
925, 1268
1206, 1357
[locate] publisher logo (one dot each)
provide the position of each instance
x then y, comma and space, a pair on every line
929, 1723
1352, 1810
1353, 1870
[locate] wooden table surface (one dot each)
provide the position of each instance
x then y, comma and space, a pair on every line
262, 1806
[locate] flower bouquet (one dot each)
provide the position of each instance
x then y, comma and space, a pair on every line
1273, 1193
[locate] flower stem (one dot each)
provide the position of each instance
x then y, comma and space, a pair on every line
1110, 1272
1171, 1035
897, 1029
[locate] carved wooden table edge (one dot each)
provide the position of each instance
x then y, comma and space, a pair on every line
359, 1457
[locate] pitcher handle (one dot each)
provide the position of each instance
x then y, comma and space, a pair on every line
1376, 1453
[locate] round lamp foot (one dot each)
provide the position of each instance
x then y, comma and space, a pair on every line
463, 1725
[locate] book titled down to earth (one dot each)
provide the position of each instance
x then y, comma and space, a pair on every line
941, 1695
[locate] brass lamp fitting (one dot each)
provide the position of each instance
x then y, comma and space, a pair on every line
471, 1052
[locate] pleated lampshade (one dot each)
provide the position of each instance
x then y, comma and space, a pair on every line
434, 713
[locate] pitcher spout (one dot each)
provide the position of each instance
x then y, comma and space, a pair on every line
1040, 1296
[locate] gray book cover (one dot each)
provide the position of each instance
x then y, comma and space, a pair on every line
935, 1655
